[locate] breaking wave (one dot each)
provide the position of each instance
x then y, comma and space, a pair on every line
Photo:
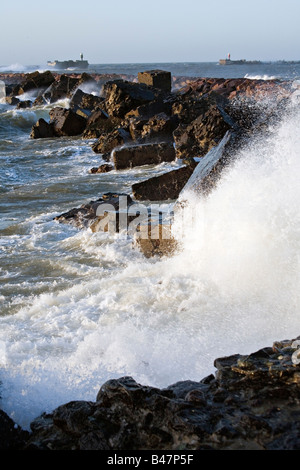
260, 77
103, 310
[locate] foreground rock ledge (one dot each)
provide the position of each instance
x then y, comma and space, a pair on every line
252, 402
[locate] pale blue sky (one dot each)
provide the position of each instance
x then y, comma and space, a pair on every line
129, 31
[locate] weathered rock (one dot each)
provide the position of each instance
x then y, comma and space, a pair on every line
108, 141
163, 187
157, 127
42, 129
66, 123
12, 100
61, 88
251, 403
151, 109
122, 96
34, 81
86, 82
12, 437
156, 78
189, 106
155, 239
144, 154
99, 123
85, 101
39, 101
24, 104
88, 215
135, 127
105, 168
205, 132
8, 89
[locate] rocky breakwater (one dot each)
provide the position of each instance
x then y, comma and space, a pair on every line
250, 403
193, 119
147, 122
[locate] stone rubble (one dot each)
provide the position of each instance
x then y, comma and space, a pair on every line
250, 403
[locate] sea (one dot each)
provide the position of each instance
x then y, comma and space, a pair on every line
79, 308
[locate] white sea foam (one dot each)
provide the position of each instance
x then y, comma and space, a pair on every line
233, 287
260, 77
16, 67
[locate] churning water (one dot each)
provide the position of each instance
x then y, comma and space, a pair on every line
79, 308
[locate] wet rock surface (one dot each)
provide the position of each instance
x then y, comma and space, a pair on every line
86, 101
61, 88
250, 403
144, 123
163, 187
98, 124
33, 81
155, 238
157, 78
66, 122
111, 140
104, 168
42, 130
122, 96
144, 154
12, 437
87, 214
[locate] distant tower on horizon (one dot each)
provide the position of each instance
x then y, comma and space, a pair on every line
81, 56
228, 56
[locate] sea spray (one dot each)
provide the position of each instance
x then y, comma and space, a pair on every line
233, 287
2, 91
244, 238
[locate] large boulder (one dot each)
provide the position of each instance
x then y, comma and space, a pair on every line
157, 127
122, 96
144, 154
24, 104
12, 100
42, 129
63, 122
205, 132
104, 168
98, 124
151, 108
87, 83
66, 122
163, 187
250, 403
188, 106
61, 88
12, 437
156, 78
80, 99
89, 215
34, 81
155, 238
110, 140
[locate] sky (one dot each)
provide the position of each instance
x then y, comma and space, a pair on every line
135, 31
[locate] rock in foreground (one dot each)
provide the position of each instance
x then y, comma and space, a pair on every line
12, 437
251, 403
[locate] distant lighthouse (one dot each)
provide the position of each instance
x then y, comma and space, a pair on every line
81, 56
